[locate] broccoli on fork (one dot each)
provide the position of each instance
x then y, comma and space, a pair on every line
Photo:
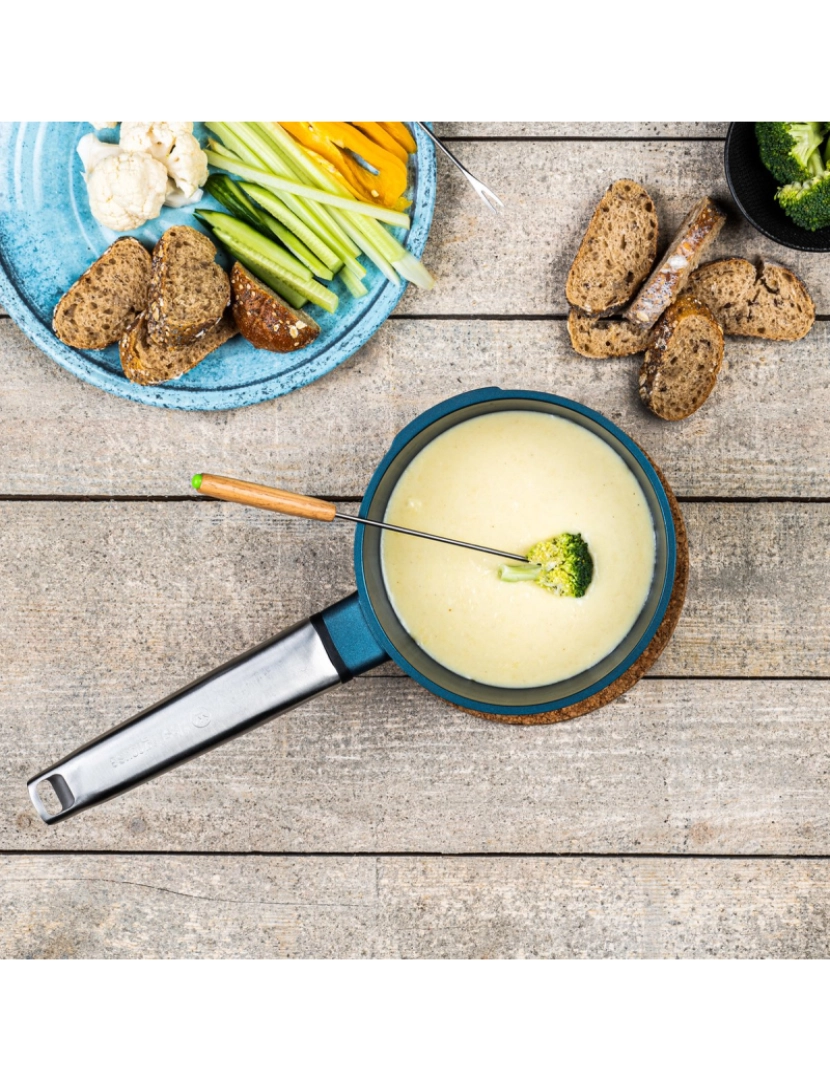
791, 150
562, 564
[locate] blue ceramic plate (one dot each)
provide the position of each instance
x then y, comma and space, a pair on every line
48, 238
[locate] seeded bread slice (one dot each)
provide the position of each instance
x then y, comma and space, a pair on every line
680, 367
264, 318
693, 239
188, 290
767, 301
602, 339
106, 299
617, 251
147, 363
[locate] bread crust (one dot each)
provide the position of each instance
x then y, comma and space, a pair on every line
765, 301
147, 363
604, 339
696, 234
676, 377
264, 318
184, 250
91, 314
617, 250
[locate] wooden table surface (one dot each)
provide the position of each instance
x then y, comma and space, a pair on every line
689, 818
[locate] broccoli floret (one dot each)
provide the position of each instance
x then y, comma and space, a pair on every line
562, 564
807, 204
790, 151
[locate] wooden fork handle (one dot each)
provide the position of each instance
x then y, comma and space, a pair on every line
266, 498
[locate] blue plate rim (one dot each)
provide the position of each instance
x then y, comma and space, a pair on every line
226, 398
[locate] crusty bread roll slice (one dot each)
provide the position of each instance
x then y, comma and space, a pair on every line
617, 251
189, 291
602, 339
696, 234
767, 301
264, 318
106, 299
680, 367
147, 363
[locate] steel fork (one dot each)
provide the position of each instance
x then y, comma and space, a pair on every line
483, 192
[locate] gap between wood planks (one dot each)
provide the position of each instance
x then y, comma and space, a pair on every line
654, 856
581, 138
63, 498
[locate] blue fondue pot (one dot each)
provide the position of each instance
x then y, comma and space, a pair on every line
356, 634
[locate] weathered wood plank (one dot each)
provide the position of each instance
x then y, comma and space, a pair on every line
544, 129
109, 607
764, 432
676, 766
221, 907
517, 263
136, 580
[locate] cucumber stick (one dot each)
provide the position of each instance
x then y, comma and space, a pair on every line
259, 264
277, 209
257, 148
245, 234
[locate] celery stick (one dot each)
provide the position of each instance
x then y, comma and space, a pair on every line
220, 149
314, 216
294, 153
353, 284
261, 134
237, 146
277, 208
298, 248
377, 243
371, 252
414, 270
365, 229
277, 183
247, 235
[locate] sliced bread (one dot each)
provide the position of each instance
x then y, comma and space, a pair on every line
264, 318
602, 339
765, 301
680, 367
145, 362
617, 251
189, 291
692, 240
106, 299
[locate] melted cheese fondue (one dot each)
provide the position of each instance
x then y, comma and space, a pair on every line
507, 480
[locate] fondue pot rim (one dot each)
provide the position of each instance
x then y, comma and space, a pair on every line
463, 402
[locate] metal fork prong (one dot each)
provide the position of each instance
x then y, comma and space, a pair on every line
483, 192
486, 195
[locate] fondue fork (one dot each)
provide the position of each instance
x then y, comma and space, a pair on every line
488, 197
306, 506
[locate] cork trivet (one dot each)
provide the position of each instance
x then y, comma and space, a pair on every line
653, 650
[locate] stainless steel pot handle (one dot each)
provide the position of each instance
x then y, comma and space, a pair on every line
264, 682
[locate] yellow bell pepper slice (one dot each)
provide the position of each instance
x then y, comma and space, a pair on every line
331, 139
401, 134
378, 134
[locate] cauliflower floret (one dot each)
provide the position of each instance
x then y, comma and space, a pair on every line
154, 137
98, 124
127, 189
92, 151
176, 197
187, 165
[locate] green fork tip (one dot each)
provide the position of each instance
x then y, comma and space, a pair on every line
197, 481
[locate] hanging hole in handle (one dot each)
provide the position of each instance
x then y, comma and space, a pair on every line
54, 795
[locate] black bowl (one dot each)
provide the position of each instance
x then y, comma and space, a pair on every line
753, 188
